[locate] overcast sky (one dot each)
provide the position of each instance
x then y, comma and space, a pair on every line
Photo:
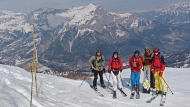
112, 5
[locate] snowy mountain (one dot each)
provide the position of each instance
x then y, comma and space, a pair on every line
175, 15
66, 38
15, 91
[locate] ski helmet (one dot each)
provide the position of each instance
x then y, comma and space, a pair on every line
156, 49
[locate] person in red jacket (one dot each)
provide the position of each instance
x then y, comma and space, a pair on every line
115, 67
157, 68
135, 63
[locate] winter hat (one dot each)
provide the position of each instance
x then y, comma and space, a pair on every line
137, 52
98, 51
156, 49
115, 53
146, 48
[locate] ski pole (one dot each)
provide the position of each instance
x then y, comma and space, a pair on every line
121, 80
106, 76
167, 85
129, 81
84, 79
108, 81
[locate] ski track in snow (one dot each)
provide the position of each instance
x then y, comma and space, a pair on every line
15, 85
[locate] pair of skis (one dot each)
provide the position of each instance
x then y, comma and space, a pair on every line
122, 92
162, 101
100, 94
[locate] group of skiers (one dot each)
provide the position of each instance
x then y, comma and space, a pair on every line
152, 64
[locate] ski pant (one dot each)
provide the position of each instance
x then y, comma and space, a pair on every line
152, 81
135, 79
160, 84
96, 73
148, 75
116, 76
147, 72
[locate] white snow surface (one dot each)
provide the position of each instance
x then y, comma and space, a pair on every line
15, 85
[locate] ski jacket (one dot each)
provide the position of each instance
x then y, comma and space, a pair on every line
147, 58
97, 62
135, 63
157, 63
115, 64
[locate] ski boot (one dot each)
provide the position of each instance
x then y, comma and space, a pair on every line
138, 93
158, 92
103, 86
95, 88
114, 95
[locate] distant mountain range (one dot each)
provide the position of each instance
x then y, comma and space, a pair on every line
176, 15
67, 38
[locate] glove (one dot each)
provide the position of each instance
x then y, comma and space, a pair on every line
92, 70
143, 68
109, 71
161, 73
153, 71
104, 70
92, 67
120, 70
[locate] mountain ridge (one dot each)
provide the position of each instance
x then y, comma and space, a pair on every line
66, 38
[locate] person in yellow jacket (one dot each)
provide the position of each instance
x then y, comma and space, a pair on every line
147, 60
97, 65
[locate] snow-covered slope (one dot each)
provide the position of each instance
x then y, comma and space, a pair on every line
15, 84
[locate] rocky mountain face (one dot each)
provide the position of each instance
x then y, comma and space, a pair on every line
179, 60
67, 38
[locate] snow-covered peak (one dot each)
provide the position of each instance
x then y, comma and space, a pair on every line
180, 7
183, 4
13, 21
91, 6
83, 15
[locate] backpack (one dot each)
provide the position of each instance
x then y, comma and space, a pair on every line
134, 63
115, 60
95, 60
161, 58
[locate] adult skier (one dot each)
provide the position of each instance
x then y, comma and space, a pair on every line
135, 63
157, 68
148, 81
97, 65
115, 67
